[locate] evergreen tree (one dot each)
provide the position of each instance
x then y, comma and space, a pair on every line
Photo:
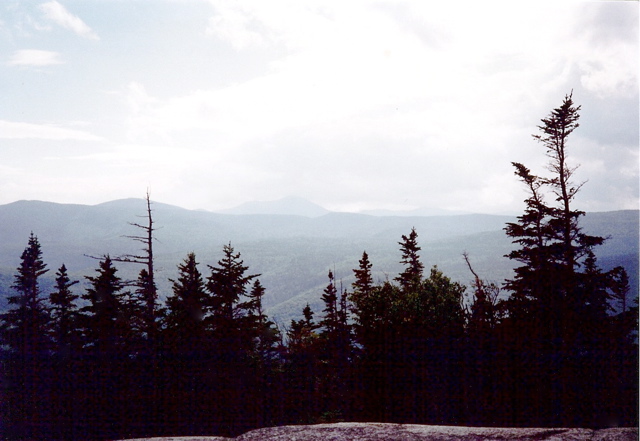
23, 328
265, 334
24, 335
66, 334
103, 315
187, 351
227, 287
363, 284
412, 275
302, 370
186, 307
559, 303
264, 358
64, 313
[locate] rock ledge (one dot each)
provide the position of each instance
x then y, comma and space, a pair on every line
414, 432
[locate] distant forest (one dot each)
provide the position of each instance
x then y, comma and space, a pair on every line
556, 345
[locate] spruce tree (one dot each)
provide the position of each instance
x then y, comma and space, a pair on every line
186, 307
412, 275
23, 328
363, 285
24, 335
64, 313
559, 303
103, 315
226, 285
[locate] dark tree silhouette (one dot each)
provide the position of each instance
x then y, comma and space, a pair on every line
25, 334
411, 276
558, 324
64, 313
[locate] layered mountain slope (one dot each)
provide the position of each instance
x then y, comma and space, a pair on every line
293, 253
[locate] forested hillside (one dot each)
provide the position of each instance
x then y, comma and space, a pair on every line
292, 253
122, 346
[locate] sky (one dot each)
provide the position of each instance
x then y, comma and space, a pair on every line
352, 105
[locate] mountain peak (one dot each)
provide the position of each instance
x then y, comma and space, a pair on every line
291, 205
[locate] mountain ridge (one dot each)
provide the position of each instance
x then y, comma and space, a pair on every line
293, 253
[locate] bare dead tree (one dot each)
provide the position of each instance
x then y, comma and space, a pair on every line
146, 281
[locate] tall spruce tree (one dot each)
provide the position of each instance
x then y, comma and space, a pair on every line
227, 287
24, 334
23, 327
64, 313
105, 328
559, 303
186, 307
412, 275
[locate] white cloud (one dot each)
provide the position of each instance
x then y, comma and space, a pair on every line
20, 130
34, 57
57, 13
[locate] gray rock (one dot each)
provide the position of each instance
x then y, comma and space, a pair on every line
415, 432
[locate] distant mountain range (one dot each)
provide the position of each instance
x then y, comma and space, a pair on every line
298, 206
292, 246
292, 205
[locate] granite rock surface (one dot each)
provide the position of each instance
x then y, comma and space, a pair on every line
414, 432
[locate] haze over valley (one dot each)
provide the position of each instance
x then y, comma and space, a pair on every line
292, 243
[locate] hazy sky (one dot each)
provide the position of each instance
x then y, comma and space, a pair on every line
350, 104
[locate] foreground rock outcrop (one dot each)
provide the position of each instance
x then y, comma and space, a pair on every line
414, 432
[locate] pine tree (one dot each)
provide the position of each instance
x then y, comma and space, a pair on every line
265, 334
226, 285
559, 303
302, 370
412, 275
103, 314
23, 328
335, 339
186, 307
24, 336
64, 312
330, 322
364, 281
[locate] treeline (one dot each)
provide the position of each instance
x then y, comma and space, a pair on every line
556, 345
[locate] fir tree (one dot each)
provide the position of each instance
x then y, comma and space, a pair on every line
186, 306
412, 275
24, 334
103, 314
24, 327
64, 312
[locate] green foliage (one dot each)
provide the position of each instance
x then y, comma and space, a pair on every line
64, 312
105, 324
23, 328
